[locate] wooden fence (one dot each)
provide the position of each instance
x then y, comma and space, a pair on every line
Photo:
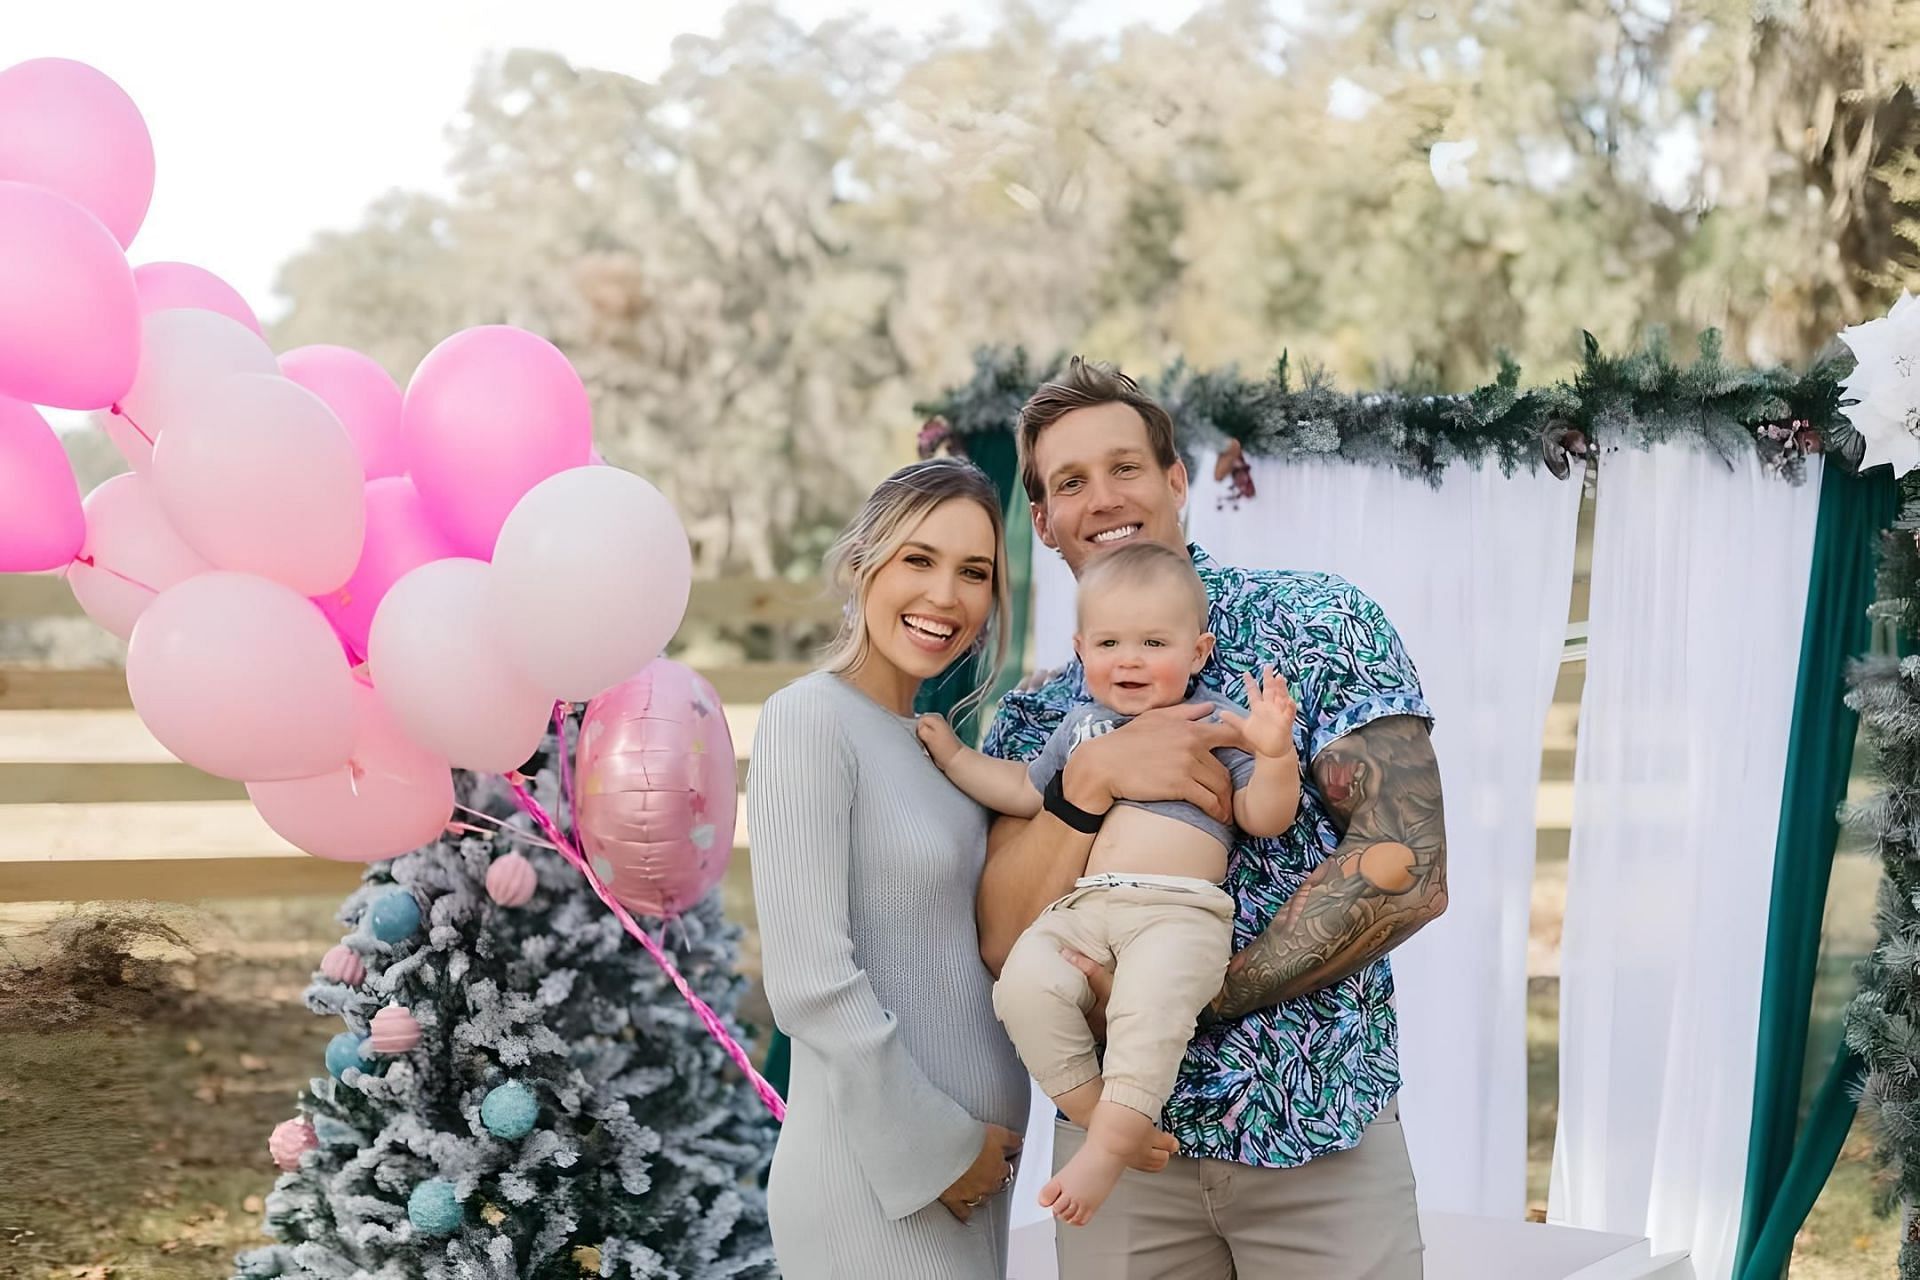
92, 807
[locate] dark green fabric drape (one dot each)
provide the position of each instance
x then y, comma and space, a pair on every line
1788, 1161
994, 453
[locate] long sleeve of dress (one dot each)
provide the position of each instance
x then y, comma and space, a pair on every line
911, 1140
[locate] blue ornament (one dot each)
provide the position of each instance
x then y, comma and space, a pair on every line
432, 1209
509, 1110
394, 916
345, 1050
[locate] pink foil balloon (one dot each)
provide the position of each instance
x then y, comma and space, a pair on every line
181, 351
67, 127
511, 880
655, 787
242, 678
343, 964
69, 314
399, 539
166, 286
490, 413
393, 1030
41, 524
389, 798
362, 394
290, 1140
260, 477
131, 554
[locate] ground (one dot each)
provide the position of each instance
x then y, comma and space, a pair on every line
145, 1056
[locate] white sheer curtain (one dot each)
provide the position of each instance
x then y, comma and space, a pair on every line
1699, 590
1475, 575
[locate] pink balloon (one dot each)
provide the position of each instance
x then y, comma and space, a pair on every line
606, 542
435, 664
41, 526
260, 477
181, 351
656, 788
392, 796
400, 538
69, 315
490, 413
361, 394
131, 554
242, 678
168, 286
70, 129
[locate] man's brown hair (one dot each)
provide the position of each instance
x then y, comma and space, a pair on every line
1086, 383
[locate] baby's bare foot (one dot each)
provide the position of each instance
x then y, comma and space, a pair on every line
1153, 1157
1078, 1190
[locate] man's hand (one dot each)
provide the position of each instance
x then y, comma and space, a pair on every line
1163, 754
1100, 981
1383, 882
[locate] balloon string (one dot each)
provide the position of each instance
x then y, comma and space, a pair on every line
118, 411
108, 569
708, 1018
499, 828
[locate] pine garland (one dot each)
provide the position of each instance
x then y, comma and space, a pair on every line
1634, 401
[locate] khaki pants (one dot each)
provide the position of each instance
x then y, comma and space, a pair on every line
1345, 1216
1168, 940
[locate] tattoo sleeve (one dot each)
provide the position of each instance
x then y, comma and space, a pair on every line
1385, 879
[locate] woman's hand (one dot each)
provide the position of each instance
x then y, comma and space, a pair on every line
990, 1173
938, 737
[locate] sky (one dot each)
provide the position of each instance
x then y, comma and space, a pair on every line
272, 122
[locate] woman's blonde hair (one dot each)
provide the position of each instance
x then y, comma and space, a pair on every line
871, 539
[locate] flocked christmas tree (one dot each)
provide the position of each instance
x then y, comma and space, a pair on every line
517, 1090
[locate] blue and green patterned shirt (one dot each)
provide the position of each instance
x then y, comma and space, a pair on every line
1304, 1078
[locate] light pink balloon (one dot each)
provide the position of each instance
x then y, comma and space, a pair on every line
242, 678
69, 315
131, 554
490, 413
259, 477
41, 526
392, 796
656, 788
400, 538
169, 286
181, 351
361, 394
608, 544
435, 664
66, 127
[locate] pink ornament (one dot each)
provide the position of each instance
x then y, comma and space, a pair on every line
655, 798
343, 964
393, 1031
511, 881
290, 1140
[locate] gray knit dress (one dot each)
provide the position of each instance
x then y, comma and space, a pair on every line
865, 863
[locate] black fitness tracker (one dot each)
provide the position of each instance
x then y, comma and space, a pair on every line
1054, 800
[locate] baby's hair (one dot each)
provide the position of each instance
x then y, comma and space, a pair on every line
1142, 563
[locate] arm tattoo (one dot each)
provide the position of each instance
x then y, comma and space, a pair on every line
1385, 879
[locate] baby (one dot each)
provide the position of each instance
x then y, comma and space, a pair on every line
1151, 905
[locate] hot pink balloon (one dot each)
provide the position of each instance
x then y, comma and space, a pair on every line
451, 689
69, 314
361, 394
168, 286
656, 788
181, 351
67, 127
260, 477
490, 413
41, 525
242, 678
392, 796
400, 538
131, 554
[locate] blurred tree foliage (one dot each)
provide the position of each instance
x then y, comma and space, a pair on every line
761, 260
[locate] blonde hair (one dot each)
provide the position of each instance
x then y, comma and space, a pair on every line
875, 534
1136, 564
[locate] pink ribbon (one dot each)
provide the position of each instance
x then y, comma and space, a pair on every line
708, 1018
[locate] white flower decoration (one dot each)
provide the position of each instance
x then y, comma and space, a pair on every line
1886, 383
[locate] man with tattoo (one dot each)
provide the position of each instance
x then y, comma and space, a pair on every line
1292, 1161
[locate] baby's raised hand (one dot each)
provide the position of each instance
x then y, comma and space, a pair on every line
938, 737
1268, 724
